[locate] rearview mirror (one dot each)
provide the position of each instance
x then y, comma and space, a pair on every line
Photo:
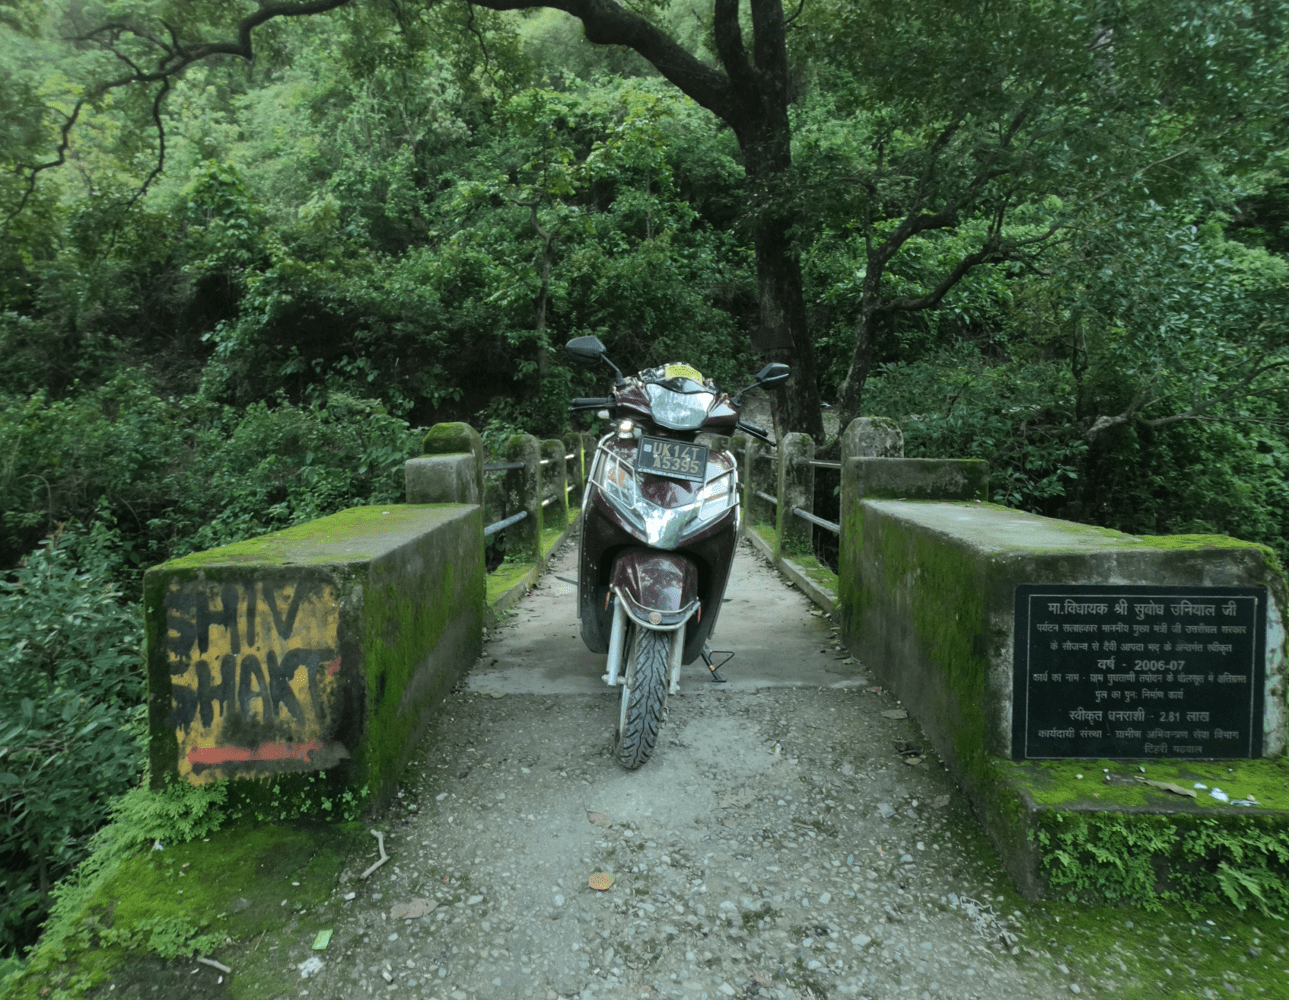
772, 375
587, 351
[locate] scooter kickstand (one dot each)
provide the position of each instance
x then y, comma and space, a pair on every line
707, 658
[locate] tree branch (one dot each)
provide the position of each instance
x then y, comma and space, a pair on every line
161, 143
608, 23
1197, 412
173, 60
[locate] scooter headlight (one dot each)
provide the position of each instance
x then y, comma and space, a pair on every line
618, 481
718, 496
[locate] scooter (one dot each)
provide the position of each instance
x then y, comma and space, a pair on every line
660, 520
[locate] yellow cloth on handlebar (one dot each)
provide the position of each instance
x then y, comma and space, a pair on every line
683, 371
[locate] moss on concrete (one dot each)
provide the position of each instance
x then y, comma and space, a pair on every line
353, 535
214, 896
552, 537
505, 576
1057, 783
817, 571
417, 644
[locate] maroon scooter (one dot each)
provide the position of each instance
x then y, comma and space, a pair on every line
660, 519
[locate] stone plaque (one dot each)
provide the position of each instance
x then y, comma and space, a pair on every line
1138, 672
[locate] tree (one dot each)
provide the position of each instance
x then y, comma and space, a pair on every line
990, 134
751, 96
1015, 117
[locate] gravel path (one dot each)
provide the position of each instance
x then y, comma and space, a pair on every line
784, 842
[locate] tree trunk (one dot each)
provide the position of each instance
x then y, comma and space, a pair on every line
850, 395
783, 335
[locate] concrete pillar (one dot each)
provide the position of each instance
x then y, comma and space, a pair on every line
451, 468
762, 475
523, 491
796, 489
739, 445
554, 479
872, 437
576, 470
589, 443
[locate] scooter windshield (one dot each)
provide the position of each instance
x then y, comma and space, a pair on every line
679, 404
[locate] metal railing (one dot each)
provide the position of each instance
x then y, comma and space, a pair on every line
813, 519
496, 526
501, 466
766, 496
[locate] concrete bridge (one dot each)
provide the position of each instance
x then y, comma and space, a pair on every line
1022, 647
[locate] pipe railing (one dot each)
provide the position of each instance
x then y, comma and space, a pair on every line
805, 514
497, 526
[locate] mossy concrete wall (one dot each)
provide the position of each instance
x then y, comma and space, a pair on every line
927, 598
322, 647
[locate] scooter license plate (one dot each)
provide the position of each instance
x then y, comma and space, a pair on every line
676, 459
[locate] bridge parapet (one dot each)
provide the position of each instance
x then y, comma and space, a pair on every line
321, 647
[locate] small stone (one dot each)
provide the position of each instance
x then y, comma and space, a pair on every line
861, 940
906, 859
559, 899
727, 989
885, 810
413, 909
473, 900
825, 898
1074, 988
895, 713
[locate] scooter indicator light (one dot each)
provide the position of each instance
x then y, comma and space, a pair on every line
626, 428
655, 618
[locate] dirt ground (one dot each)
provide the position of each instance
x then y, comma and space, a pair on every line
792, 837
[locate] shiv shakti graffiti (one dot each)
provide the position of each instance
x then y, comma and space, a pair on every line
254, 683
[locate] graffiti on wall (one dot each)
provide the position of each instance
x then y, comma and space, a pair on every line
253, 676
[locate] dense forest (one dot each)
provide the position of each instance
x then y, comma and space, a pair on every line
248, 251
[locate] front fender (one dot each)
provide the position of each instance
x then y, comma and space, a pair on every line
658, 590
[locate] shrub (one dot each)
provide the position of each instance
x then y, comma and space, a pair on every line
71, 722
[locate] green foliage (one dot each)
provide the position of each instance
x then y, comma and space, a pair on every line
71, 725
1146, 860
1018, 417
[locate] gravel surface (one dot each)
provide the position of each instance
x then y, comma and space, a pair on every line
784, 842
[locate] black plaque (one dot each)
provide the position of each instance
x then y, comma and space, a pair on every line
1138, 672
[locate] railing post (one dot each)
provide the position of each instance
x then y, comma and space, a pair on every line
871, 437
796, 489
762, 476
864, 437
589, 443
574, 476
739, 444
554, 479
523, 490
451, 468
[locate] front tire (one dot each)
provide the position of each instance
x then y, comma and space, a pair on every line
643, 697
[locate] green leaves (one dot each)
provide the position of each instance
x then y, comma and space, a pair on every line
71, 718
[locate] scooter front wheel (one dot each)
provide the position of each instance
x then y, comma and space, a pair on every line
643, 697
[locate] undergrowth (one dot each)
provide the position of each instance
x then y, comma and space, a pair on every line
1149, 860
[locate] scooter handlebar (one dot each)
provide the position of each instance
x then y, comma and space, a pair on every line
590, 402
753, 430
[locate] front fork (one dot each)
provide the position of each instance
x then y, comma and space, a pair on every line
618, 637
